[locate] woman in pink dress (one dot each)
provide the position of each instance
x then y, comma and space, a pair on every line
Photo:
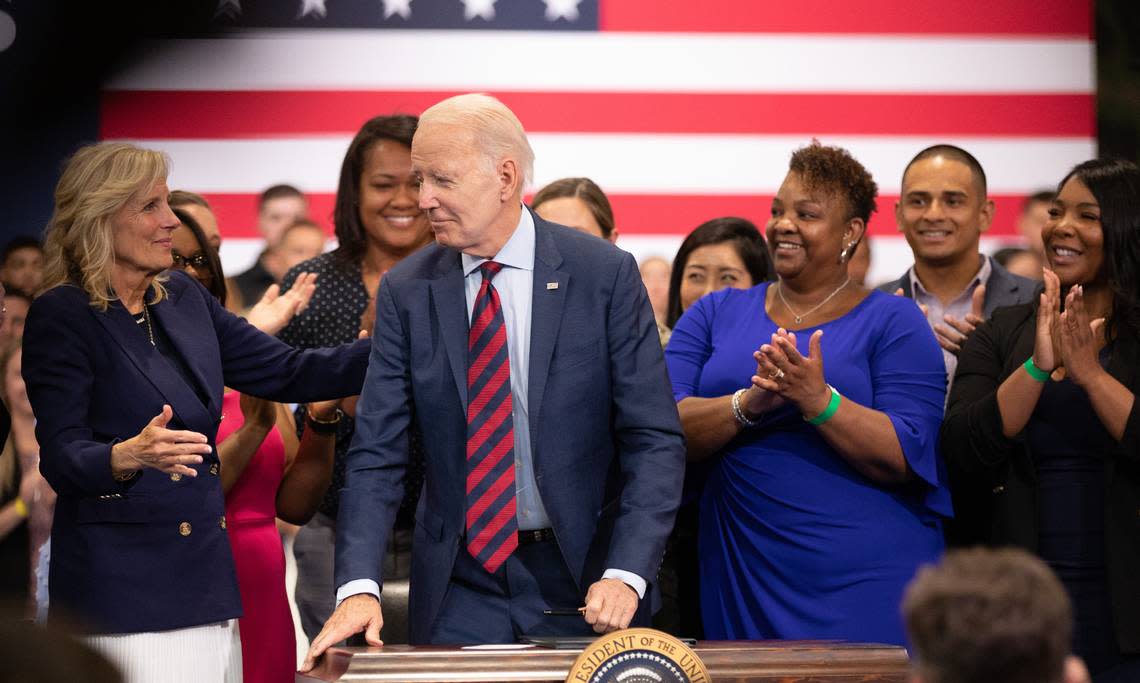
266, 474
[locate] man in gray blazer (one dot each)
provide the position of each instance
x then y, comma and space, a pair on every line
943, 211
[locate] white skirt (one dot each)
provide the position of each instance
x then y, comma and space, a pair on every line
201, 654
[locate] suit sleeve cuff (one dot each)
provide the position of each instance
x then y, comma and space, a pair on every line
629, 578
357, 587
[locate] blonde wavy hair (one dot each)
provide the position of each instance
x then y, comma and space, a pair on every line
79, 241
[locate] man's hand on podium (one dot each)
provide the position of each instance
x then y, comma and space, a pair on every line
610, 605
355, 614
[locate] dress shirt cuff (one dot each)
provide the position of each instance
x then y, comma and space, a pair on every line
628, 578
356, 587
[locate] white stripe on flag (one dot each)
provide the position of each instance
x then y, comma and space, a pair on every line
598, 61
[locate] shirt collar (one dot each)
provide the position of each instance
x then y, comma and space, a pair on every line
518, 252
981, 277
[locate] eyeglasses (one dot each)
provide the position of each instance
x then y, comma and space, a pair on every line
197, 261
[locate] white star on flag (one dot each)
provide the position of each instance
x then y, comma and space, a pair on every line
228, 8
314, 7
478, 8
394, 7
562, 9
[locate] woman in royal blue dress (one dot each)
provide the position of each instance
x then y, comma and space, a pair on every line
818, 403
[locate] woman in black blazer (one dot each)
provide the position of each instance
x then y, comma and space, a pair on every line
125, 367
1042, 430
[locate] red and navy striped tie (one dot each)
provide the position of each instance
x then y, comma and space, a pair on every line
492, 532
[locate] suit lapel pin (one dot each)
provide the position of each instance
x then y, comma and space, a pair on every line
552, 285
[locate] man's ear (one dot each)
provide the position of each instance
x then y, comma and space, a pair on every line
510, 180
987, 216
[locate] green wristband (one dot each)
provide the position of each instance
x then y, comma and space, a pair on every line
1034, 371
829, 411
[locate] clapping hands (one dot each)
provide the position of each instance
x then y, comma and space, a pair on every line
782, 370
953, 332
1068, 340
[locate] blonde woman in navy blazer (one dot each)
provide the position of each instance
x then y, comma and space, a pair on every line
125, 368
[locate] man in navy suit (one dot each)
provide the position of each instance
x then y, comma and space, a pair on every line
528, 354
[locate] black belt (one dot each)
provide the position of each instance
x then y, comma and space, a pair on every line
535, 536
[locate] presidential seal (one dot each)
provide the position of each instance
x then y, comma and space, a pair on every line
638, 655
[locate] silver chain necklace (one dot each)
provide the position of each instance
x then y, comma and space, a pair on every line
798, 317
149, 327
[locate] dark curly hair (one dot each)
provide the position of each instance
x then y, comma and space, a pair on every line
835, 171
1116, 185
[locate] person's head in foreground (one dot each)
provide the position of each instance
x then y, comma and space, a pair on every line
990, 616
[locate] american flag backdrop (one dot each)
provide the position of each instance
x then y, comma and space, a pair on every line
681, 110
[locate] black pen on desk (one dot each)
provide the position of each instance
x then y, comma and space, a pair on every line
571, 612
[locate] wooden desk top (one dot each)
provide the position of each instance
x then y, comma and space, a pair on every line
728, 662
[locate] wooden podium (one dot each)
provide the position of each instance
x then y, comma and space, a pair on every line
727, 661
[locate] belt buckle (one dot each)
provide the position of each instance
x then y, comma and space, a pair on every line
535, 535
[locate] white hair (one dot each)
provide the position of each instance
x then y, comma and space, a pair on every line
495, 127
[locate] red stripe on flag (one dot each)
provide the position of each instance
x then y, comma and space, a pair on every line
229, 115
634, 214
679, 214
926, 17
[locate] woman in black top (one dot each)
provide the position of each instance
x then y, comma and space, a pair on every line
1042, 426
378, 223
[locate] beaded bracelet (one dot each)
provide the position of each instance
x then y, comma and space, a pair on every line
1034, 371
738, 413
829, 411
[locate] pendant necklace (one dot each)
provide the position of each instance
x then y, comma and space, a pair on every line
798, 317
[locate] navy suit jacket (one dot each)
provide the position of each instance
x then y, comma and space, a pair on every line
150, 554
607, 443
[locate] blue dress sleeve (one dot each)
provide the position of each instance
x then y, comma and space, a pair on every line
908, 380
689, 348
